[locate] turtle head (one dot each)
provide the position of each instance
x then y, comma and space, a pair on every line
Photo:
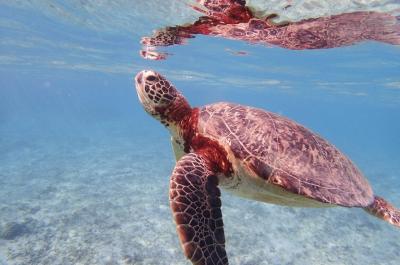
160, 98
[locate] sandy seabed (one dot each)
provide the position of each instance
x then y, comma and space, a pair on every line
105, 201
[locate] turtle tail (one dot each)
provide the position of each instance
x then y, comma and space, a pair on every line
384, 210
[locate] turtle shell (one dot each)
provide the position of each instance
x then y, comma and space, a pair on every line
286, 154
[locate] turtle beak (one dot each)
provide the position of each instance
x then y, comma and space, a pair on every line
140, 83
139, 78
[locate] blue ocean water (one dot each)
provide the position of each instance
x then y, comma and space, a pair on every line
84, 171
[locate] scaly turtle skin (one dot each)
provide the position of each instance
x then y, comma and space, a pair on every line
233, 20
252, 153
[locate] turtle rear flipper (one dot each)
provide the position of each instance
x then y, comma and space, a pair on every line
384, 210
196, 206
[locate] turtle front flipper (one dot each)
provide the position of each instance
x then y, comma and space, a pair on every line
196, 206
384, 210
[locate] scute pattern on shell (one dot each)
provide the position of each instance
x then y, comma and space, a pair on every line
286, 154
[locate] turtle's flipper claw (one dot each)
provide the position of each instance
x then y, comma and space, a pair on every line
195, 203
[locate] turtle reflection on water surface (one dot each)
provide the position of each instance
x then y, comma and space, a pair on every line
232, 19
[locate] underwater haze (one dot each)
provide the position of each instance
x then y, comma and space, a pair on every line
84, 171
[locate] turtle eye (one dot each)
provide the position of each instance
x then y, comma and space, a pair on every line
151, 78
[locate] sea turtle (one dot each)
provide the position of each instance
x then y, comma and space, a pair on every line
250, 152
232, 19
